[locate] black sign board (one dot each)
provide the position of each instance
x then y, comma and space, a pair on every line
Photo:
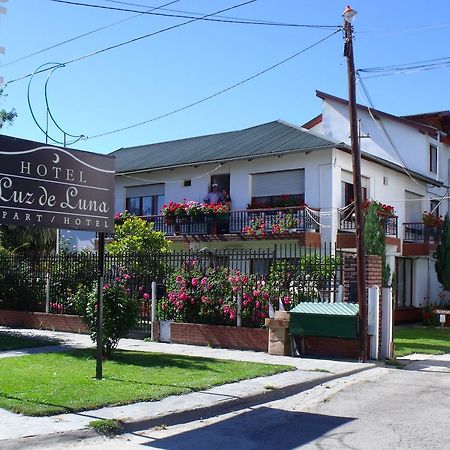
54, 187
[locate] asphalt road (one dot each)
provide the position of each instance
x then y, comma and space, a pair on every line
381, 408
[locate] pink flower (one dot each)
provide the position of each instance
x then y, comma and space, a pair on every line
126, 276
194, 281
179, 279
255, 293
257, 304
265, 295
204, 281
117, 279
235, 288
146, 296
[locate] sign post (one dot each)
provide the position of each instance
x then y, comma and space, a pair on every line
53, 187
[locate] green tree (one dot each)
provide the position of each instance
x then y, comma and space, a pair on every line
375, 239
22, 239
442, 265
6, 117
135, 235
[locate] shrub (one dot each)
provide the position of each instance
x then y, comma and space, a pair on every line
120, 310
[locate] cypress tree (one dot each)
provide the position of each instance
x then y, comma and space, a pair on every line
442, 265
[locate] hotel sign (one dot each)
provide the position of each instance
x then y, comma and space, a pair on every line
56, 187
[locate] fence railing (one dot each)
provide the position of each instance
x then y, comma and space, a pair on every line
420, 232
251, 221
47, 282
347, 222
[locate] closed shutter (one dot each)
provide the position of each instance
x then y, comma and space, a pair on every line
278, 183
413, 207
145, 190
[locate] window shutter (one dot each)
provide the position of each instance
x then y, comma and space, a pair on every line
145, 190
278, 183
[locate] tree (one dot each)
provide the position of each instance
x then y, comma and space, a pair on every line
442, 265
6, 117
22, 239
375, 239
135, 235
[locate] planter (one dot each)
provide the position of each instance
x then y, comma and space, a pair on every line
170, 220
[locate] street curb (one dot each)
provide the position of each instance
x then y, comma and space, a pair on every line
180, 416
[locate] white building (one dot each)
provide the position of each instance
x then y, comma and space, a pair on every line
404, 164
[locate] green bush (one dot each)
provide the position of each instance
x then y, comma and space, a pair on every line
120, 310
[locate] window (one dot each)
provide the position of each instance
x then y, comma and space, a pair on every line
187, 183
434, 207
433, 158
277, 189
222, 181
145, 200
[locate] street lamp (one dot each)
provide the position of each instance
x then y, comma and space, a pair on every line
349, 16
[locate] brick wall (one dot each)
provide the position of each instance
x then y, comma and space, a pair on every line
220, 336
43, 321
328, 347
373, 272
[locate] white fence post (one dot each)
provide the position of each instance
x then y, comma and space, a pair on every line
373, 321
387, 347
153, 316
239, 309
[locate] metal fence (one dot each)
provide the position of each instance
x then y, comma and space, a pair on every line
45, 283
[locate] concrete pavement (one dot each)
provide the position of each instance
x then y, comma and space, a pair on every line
18, 431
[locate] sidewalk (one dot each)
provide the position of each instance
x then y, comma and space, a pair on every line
18, 431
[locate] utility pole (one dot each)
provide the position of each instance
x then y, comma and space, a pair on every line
349, 15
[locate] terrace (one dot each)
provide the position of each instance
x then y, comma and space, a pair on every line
248, 224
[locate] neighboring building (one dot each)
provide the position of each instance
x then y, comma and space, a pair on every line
405, 163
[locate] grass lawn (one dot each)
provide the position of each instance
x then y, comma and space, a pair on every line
431, 341
11, 341
53, 383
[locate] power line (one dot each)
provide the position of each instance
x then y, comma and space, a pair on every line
185, 12
130, 41
209, 97
88, 33
205, 18
419, 66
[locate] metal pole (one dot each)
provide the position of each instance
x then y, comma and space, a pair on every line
101, 274
153, 318
47, 292
359, 217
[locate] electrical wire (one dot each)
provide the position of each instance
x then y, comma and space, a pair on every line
382, 128
88, 33
187, 16
130, 41
419, 66
229, 88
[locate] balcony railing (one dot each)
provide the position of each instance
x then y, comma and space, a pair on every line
420, 232
347, 222
248, 222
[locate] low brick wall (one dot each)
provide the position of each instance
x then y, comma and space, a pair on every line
329, 347
43, 321
220, 336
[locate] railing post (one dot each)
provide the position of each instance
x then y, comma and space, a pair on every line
153, 316
239, 309
47, 292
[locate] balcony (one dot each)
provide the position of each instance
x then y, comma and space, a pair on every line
346, 237
273, 223
420, 239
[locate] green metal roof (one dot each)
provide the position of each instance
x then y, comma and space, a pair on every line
271, 138
328, 309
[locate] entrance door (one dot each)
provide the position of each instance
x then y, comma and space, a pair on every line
404, 289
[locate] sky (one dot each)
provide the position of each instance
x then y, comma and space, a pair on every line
167, 71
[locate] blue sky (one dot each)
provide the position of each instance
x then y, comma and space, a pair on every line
151, 77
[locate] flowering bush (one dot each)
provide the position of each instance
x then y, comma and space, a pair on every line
211, 296
381, 208
194, 209
120, 310
173, 209
121, 217
256, 227
431, 220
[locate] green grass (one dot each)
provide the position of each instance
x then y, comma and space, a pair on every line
108, 427
52, 383
12, 341
430, 341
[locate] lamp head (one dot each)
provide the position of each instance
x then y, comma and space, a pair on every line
349, 14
